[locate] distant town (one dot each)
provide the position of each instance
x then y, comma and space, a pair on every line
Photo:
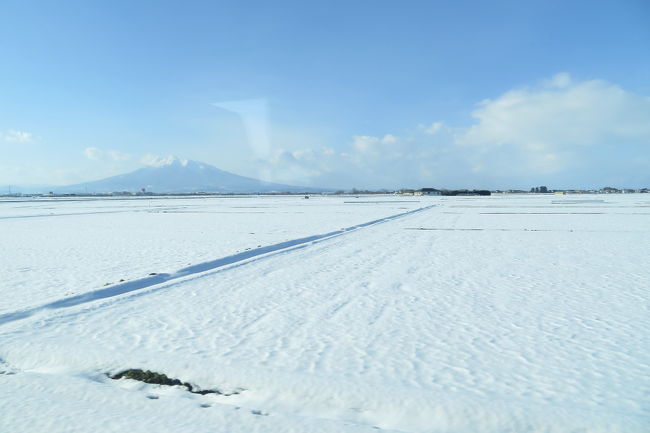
533, 190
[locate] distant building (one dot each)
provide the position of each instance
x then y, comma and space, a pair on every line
430, 191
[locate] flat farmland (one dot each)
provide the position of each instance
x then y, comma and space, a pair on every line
509, 313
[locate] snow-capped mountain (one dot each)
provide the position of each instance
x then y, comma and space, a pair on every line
175, 175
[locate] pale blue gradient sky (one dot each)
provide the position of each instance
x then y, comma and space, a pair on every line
338, 93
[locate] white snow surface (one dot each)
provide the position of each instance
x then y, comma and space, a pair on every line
513, 313
54, 248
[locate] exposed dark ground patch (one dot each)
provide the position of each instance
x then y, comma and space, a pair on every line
152, 377
259, 412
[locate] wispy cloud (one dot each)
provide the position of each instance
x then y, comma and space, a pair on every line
93, 153
367, 144
97, 154
14, 136
116, 155
432, 128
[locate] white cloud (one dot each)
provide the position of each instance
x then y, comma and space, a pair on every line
298, 167
433, 128
365, 143
547, 128
368, 144
368, 162
562, 132
152, 160
559, 81
15, 136
116, 155
93, 153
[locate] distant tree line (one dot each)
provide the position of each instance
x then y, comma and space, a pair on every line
465, 192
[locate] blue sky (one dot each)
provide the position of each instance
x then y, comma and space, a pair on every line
365, 94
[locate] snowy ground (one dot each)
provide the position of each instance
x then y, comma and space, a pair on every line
491, 314
62, 247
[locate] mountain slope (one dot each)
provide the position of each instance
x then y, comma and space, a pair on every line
176, 175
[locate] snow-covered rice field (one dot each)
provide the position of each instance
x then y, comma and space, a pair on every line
514, 313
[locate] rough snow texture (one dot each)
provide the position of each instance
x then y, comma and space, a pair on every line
491, 314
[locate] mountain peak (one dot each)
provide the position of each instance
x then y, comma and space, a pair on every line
171, 174
162, 161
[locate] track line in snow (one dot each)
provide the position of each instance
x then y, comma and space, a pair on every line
519, 230
47, 215
155, 279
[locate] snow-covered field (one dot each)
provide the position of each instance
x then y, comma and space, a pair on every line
57, 248
466, 314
